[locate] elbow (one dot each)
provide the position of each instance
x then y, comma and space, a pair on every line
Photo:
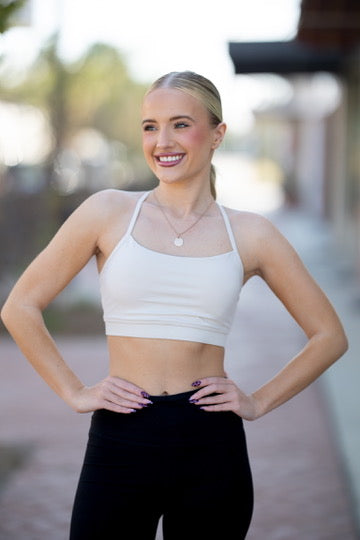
344, 344
10, 313
5, 314
332, 344
15, 311
338, 344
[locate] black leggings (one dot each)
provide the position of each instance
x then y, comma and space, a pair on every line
170, 459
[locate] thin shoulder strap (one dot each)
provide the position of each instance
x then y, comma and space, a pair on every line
136, 212
228, 228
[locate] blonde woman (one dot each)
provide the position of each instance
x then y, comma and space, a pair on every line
166, 434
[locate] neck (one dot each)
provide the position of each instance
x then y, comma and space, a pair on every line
183, 200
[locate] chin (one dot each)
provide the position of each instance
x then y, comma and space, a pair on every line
168, 180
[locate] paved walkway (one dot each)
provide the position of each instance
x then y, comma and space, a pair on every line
301, 491
333, 268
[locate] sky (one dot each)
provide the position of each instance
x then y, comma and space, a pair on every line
158, 36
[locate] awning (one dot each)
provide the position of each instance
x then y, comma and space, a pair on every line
284, 57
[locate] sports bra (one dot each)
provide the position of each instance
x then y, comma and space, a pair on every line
149, 294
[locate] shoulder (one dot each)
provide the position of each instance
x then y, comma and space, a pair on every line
106, 204
255, 226
111, 199
98, 211
260, 243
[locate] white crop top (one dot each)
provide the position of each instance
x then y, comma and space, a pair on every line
149, 294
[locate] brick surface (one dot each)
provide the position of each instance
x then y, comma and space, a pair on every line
300, 490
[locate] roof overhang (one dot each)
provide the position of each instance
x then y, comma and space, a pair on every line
284, 57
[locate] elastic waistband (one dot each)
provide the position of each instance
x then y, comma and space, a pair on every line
166, 398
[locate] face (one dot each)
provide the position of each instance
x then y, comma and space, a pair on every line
178, 140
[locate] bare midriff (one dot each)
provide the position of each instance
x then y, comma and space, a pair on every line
164, 366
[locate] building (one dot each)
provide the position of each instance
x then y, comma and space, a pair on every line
325, 173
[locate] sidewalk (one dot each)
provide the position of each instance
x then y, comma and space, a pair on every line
333, 270
300, 480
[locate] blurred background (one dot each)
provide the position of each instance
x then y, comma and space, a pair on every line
72, 78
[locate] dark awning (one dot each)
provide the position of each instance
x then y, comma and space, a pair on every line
284, 57
328, 30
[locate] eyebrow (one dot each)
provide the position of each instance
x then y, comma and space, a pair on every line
178, 117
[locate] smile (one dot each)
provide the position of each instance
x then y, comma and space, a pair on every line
169, 160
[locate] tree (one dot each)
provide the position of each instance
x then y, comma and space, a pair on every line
96, 91
7, 10
102, 94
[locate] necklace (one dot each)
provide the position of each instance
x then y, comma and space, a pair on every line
178, 240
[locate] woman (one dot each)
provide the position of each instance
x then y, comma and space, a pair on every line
166, 435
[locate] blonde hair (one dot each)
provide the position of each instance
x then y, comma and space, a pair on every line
201, 88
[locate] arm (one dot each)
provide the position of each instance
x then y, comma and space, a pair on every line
273, 258
283, 271
67, 253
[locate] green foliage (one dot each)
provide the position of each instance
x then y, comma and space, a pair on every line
101, 94
96, 91
7, 10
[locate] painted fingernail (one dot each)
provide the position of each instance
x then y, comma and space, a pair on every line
145, 394
196, 383
146, 404
193, 400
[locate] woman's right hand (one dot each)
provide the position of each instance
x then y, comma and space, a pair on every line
112, 393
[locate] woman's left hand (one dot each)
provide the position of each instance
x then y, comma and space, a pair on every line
222, 394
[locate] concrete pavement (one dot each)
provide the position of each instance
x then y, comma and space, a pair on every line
302, 489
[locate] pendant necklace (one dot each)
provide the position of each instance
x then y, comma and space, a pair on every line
178, 240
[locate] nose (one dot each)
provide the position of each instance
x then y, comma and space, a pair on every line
164, 138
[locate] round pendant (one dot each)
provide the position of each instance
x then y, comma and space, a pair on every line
178, 241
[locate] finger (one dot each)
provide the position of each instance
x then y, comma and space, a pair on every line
215, 399
208, 380
127, 385
119, 400
116, 401
215, 388
113, 394
217, 408
109, 406
125, 394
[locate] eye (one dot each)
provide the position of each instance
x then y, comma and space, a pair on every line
149, 127
181, 125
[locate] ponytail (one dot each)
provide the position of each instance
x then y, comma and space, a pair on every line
212, 181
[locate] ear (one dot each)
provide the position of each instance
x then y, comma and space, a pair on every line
219, 133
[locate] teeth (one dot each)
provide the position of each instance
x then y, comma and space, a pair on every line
169, 158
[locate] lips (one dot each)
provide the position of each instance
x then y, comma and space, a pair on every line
169, 160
